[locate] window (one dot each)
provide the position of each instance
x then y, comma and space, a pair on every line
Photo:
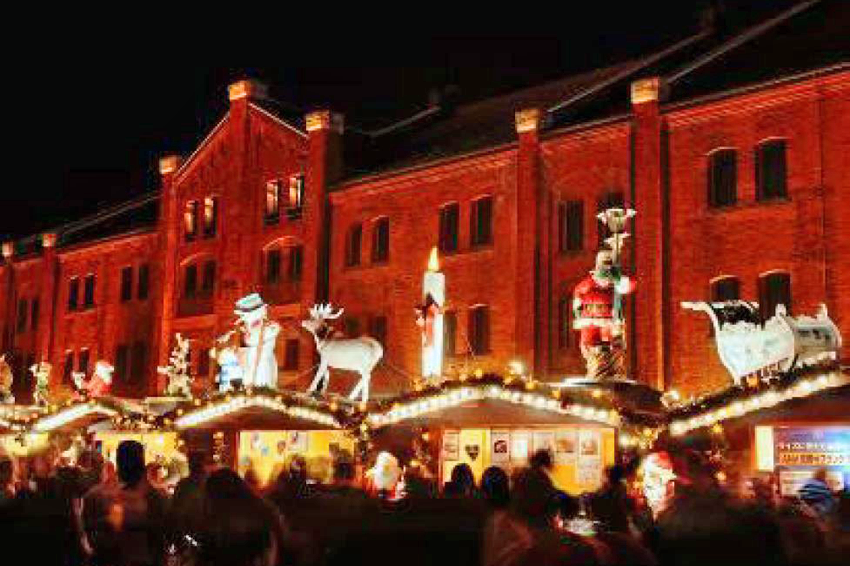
296, 195
144, 278
273, 190
68, 368
481, 222
449, 334
190, 281
122, 363
208, 283
210, 216
22, 316
378, 329
139, 359
88, 291
771, 181
479, 329
290, 356
126, 284
449, 224
570, 226
296, 262
613, 199
352, 327
34, 314
725, 289
204, 362
722, 178
774, 289
352, 245
381, 241
273, 266
83, 361
564, 311
73, 293
190, 220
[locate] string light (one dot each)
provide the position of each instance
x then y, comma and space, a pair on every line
71, 414
233, 404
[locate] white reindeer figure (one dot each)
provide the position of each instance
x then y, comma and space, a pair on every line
356, 354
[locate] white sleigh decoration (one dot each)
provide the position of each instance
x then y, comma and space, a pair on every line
747, 347
355, 354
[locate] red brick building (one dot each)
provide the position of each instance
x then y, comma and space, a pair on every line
739, 175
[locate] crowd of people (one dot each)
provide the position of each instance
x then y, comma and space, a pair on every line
94, 513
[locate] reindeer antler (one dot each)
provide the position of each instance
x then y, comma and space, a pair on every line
324, 312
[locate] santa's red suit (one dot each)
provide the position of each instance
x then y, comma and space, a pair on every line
97, 387
593, 308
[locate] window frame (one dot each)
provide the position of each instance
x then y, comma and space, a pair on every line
353, 259
714, 178
566, 228
764, 290
477, 238
125, 293
73, 304
210, 217
89, 289
448, 228
380, 240
479, 329
761, 170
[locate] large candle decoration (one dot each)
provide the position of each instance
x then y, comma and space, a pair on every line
430, 318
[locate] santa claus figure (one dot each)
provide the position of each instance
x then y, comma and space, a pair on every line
383, 480
658, 481
100, 382
597, 314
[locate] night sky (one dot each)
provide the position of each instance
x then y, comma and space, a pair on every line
99, 111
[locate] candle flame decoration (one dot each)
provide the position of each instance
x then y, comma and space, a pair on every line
433, 261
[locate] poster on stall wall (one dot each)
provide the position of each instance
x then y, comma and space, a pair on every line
298, 441
543, 440
451, 445
519, 446
500, 447
565, 446
589, 469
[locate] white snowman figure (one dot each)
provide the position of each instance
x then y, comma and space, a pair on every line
259, 336
230, 372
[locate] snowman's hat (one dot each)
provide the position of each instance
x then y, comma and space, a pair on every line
249, 303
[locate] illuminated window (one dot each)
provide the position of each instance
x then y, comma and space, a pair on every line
570, 226
381, 240
190, 220
273, 191
449, 225
479, 329
295, 198
210, 216
774, 289
723, 178
771, 182
481, 222
352, 245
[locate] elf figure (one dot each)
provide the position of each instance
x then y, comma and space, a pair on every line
597, 314
41, 371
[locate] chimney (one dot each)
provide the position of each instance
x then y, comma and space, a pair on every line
247, 89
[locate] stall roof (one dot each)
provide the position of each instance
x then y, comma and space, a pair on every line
75, 415
259, 411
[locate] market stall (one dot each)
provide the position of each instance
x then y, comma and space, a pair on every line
490, 421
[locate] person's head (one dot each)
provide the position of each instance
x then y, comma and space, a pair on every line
532, 496
495, 486
542, 459
463, 478
131, 462
343, 472
240, 529
252, 479
820, 475
197, 463
298, 468
615, 474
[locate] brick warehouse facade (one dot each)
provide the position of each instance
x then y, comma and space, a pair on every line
268, 204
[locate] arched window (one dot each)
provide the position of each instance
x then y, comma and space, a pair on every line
774, 289
296, 195
273, 190
725, 289
771, 182
723, 178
